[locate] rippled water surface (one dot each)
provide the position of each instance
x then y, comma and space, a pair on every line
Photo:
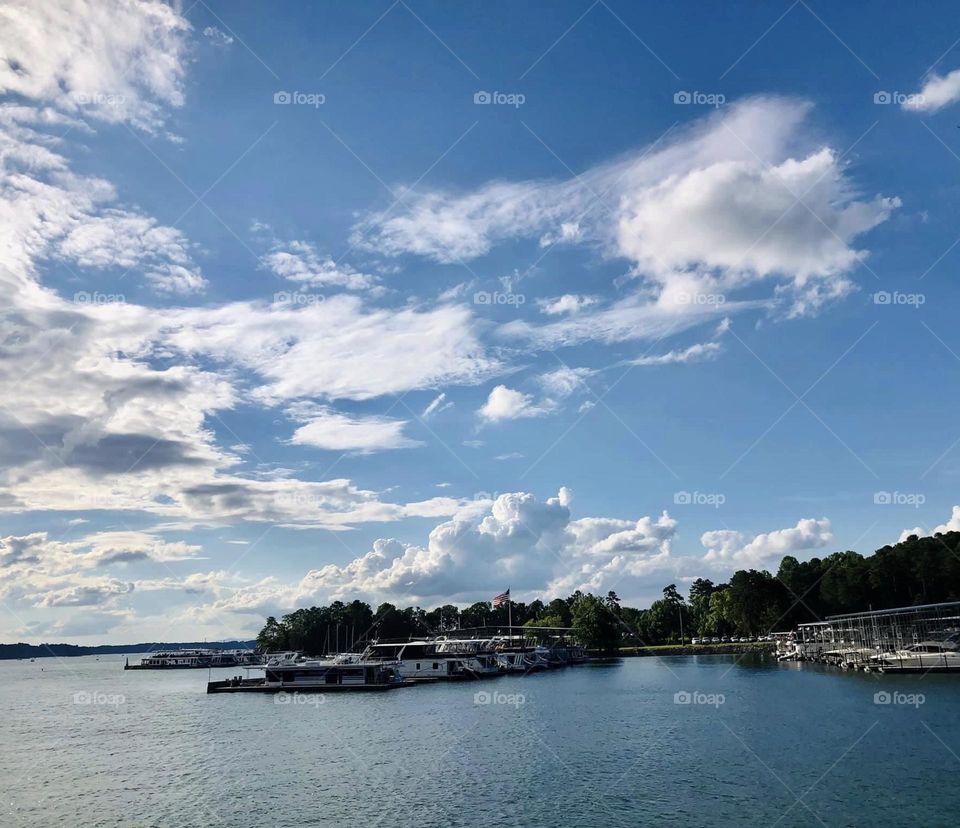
85, 743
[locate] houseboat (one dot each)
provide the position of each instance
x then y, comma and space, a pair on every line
424, 660
173, 660
314, 677
476, 655
560, 654
195, 659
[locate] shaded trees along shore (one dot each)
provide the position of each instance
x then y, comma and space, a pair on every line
751, 602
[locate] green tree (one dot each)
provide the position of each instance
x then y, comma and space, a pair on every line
594, 625
543, 621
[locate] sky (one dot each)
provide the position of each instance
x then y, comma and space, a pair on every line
418, 301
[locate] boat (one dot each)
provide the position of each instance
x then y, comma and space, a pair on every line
424, 660
925, 656
519, 659
173, 660
287, 657
315, 676
237, 658
195, 659
560, 654
850, 658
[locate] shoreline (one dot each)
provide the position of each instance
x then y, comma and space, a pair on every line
697, 649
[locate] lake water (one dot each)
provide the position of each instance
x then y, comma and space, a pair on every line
756, 743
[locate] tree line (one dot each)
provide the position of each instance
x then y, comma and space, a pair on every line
751, 602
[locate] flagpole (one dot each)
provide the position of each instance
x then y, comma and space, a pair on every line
509, 615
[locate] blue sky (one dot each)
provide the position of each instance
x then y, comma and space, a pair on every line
416, 301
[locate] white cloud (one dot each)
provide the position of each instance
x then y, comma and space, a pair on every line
216, 36
533, 546
743, 196
37, 572
568, 303
108, 59
742, 220
439, 404
695, 353
564, 381
91, 594
337, 349
508, 404
730, 546
569, 232
952, 525
299, 261
122, 239
938, 91
328, 429
114, 402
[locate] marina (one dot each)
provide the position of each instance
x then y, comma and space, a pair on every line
917, 639
465, 656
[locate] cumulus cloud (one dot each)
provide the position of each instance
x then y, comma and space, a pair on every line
731, 546
38, 572
84, 595
952, 525
568, 303
508, 404
100, 549
937, 92
742, 197
532, 545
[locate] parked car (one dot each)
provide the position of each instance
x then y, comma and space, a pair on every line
694, 640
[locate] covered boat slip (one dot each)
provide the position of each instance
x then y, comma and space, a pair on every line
920, 639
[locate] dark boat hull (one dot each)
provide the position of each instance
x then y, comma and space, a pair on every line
260, 686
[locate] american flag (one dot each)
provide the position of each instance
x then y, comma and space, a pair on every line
502, 598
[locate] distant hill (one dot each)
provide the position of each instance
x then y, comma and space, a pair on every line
21, 650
